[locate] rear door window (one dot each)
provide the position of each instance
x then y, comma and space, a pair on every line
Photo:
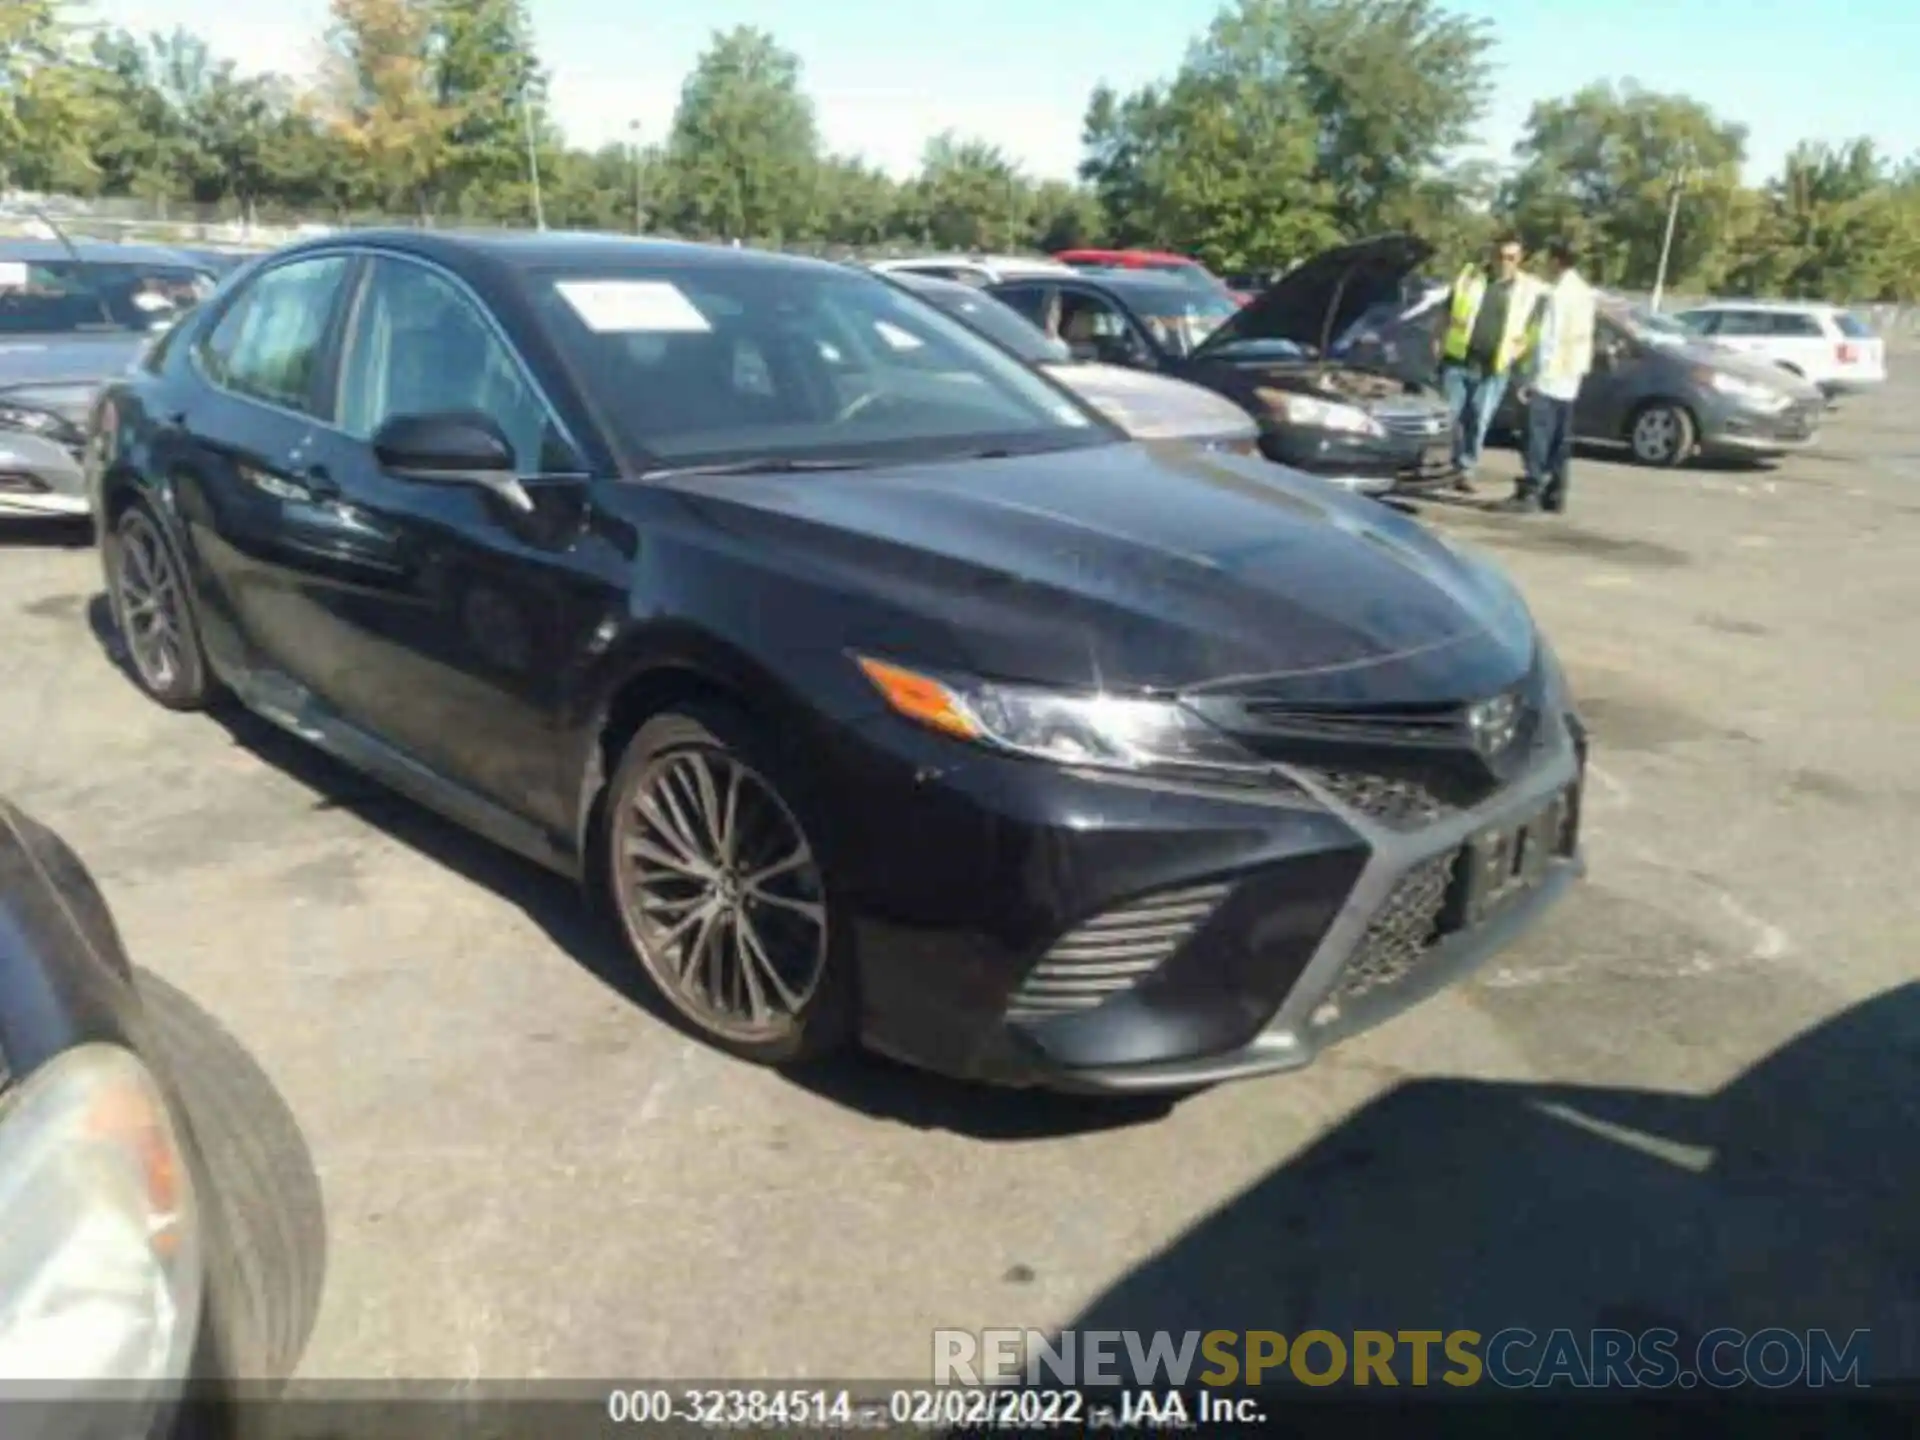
1793, 325
1744, 324
269, 344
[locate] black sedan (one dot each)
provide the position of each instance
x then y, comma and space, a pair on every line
1341, 420
887, 689
137, 1279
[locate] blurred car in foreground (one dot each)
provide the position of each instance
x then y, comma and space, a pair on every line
69, 318
884, 688
1825, 344
1654, 389
1145, 405
1336, 419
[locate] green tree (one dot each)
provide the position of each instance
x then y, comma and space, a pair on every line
46, 104
1066, 217
971, 196
744, 146
1393, 85
1601, 166
487, 80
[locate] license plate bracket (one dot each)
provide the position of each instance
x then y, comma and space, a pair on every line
1502, 863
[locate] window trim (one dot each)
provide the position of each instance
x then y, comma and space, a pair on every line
329, 336
350, 326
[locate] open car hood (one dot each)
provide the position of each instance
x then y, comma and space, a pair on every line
1320, 299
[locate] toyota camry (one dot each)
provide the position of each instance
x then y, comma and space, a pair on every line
887, 690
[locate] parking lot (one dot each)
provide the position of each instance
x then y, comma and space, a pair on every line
526, 1172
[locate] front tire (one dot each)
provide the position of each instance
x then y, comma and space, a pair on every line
153, 611
1662, 435
721, 891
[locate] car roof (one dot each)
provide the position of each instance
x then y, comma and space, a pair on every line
1123, 282
1165, 258
1036, 264
1784, 306
90, 252
527, 250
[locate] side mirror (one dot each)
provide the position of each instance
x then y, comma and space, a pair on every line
451, 448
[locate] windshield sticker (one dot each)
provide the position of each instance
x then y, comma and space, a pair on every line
13, 275
633, 307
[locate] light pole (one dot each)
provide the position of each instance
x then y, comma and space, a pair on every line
639, 196
533, 163
1680, 179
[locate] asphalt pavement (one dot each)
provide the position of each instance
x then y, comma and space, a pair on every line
526, 1172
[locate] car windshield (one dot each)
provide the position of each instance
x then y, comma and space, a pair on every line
1652, 328
997, 321
72, 297
1180, 317
742, 361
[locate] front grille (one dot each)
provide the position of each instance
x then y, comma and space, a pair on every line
1112, 952
1415, 424
1429, 724
1401, 803
1400, 934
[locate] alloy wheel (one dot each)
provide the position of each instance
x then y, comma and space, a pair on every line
721, 893
1656, 434
152, 606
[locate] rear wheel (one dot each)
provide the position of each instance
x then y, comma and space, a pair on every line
147, 588
1662, 434
721, 891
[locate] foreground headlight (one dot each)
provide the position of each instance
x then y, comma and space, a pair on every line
100, 1264
1750, 392
1322, 414
1114, 732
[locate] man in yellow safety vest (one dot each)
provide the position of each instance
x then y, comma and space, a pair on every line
1487, 330
1558, 359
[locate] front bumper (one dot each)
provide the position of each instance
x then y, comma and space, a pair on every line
1734, 430
1289, 924
1372, 464
40, 477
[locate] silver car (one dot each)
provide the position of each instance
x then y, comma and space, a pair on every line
1147, 407
70, 318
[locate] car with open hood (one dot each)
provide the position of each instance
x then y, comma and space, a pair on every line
885, 690
1654, 390
1340, 420
1147, 406
70, 316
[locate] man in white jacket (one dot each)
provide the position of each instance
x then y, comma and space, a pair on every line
1559, 358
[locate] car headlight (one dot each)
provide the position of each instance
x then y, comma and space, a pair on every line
1322, 414
100, 1256
1750, 392
1142, 734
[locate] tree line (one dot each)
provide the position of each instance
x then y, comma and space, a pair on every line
1286, 126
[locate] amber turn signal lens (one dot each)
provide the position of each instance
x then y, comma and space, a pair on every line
919, 697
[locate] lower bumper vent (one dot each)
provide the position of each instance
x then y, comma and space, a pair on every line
1402, 932
1403, 804
1112, 952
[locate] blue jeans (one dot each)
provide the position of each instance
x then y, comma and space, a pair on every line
1472, 395
1549, 449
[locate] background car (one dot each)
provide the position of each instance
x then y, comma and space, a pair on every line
1145, 405
1164, 263
159, 1240
884, 689
1654, 389
1832, 347
70, 316
971, 269
1344, 422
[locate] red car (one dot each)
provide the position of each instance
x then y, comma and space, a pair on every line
1184, 267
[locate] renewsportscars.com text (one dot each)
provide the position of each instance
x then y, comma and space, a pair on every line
1513, 1358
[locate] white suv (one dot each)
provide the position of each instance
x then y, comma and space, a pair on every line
973, 269
1827, 345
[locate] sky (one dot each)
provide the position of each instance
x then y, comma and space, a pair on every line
886, 76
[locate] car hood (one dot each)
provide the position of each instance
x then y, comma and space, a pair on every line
66, 362
1731, 362
1324, 296
1137, 567
1154, 407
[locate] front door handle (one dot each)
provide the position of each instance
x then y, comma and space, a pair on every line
319, 482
